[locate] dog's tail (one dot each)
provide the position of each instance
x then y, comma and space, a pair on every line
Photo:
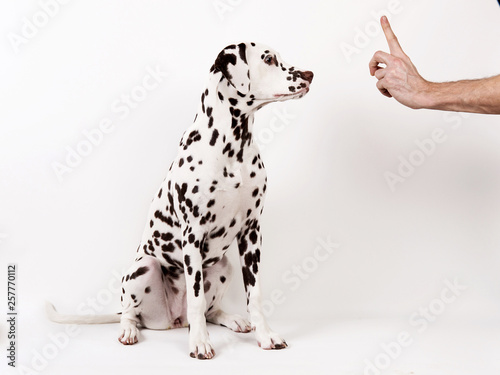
79, 319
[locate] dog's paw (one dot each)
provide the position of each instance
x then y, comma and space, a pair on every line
202, 350
234, 322
237, 323
270, 340
129, 335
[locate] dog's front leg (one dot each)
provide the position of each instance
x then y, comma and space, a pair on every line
250, 245
199, 343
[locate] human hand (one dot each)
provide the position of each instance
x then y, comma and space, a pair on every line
399, 78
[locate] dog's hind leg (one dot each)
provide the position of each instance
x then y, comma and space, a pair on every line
144, 299
217, 279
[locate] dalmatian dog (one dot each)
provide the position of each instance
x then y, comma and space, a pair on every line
213, 194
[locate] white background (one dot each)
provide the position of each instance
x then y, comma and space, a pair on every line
326, 163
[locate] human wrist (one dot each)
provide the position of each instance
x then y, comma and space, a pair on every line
429, 96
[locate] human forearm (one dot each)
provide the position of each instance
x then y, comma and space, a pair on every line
477, 96
398, 78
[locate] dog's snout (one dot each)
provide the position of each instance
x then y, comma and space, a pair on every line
307, 76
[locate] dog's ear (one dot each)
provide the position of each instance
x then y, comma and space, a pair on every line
232, 62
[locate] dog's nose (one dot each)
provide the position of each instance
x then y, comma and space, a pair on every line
307, 76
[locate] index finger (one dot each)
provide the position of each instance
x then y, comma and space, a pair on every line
392, 40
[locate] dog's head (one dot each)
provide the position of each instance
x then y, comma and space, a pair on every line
258, 72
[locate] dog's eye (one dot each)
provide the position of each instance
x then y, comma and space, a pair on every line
269, 59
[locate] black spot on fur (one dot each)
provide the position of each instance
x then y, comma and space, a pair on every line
243, 246
181, 191
234, 123
227, 148
248, 259
219, 233
242, 51
139, 272
222, 62
169, 247
248, 277
253, 237
196, 286
147, 290
164, 218
167, 236
239, 156
194, 136
215, 135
